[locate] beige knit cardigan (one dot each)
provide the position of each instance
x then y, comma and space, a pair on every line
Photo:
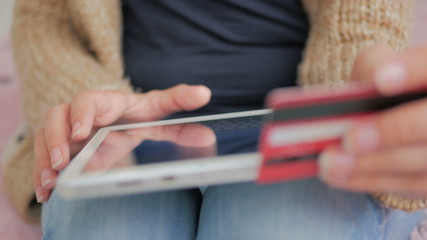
64, 46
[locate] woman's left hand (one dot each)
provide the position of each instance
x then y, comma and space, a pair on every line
388, 151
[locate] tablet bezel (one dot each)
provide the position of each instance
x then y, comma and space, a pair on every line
74, 184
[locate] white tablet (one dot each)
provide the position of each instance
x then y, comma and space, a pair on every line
165, 155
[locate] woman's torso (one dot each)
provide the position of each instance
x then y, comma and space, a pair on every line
240, 49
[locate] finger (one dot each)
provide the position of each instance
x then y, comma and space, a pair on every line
401, 125
403, 72
159, 104
368, 60
57, 135
99, 108
339, 169
43, 176
408, 160
403, 185
404, 160
96, 108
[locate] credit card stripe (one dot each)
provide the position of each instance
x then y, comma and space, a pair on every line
353, 106
293, 134
291, 159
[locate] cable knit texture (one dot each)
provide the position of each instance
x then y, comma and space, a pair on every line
63, 46
340, 29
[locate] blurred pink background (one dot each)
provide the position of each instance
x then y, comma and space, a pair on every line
13, 228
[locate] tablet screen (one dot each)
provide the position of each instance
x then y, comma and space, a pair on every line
176, 142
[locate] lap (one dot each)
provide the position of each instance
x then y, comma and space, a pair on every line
305, 209
163, 215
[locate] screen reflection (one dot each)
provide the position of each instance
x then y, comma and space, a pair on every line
176, 143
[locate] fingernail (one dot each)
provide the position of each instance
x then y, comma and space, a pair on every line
363, 138
46, 177
391, 78
39, 194
56, 157
336, 165
77, 128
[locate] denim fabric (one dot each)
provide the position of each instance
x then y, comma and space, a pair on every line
306, 209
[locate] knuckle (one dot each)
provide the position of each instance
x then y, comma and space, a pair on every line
82, 101
84, 95
54, 110
405, 124
392, 131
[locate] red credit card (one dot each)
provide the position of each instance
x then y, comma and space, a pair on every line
306, 121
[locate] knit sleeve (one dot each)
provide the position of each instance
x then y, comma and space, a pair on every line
339, 30
53, 60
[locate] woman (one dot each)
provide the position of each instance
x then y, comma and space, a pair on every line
65, 47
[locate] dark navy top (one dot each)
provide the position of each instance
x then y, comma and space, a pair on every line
240, 49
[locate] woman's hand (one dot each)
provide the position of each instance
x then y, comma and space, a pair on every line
68, 125
387, 152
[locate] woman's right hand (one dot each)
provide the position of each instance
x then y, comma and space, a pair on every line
68, 125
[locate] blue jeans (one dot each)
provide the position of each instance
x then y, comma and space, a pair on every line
306, 209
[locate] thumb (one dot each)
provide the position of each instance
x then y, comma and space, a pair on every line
97, 108
160, 103
404, 72
367, 62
